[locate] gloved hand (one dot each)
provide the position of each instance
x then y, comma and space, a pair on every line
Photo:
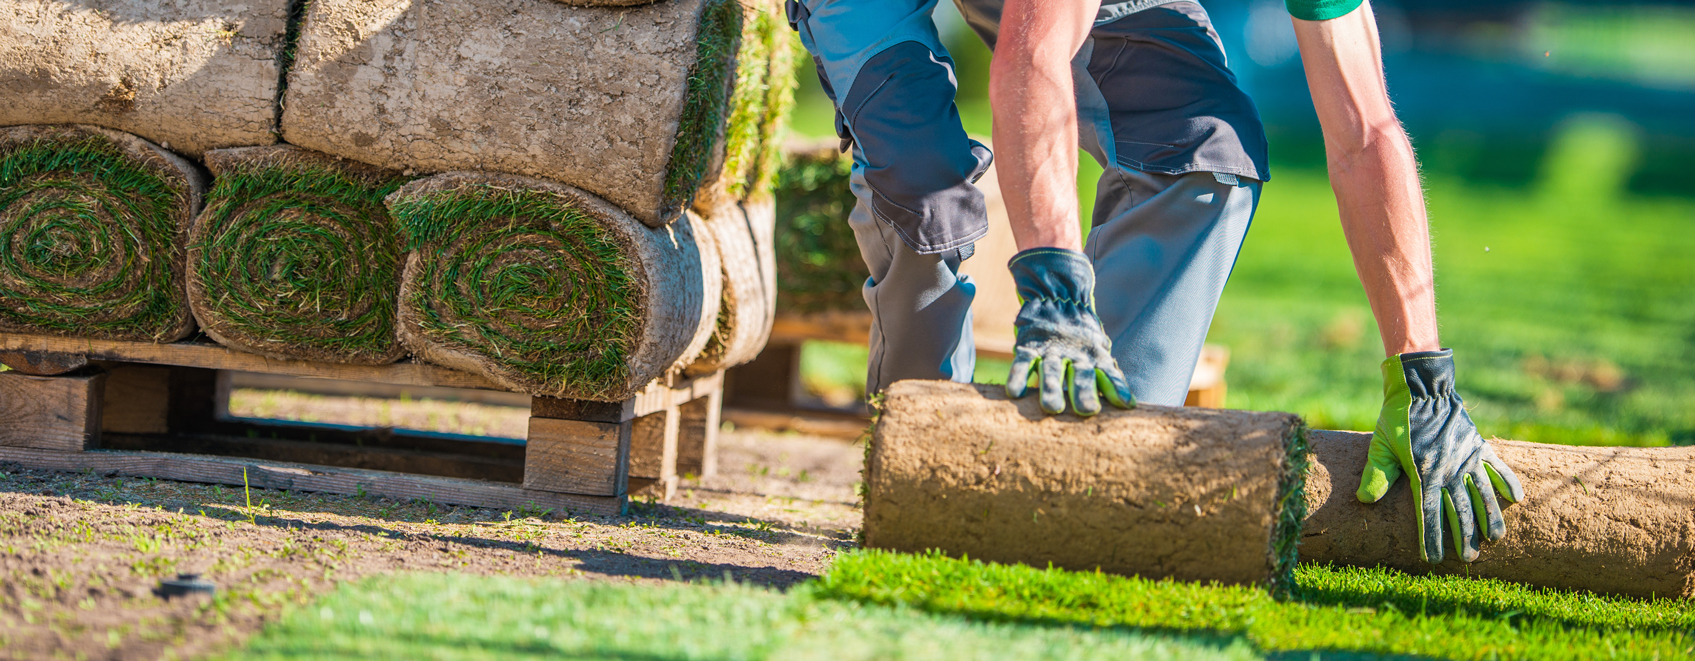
1059, 334
1425, 431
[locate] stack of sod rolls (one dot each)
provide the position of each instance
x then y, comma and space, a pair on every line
91, 228
818, 259
190, 75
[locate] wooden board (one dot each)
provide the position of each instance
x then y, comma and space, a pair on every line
41, 363
303, 477
206, 354
577, 457
50, 412
137, 399
697, 435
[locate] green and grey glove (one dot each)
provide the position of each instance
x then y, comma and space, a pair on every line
1425, 431
1059, 334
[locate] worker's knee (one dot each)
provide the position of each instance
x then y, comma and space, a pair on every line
918, 164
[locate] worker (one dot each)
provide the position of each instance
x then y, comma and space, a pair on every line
1143, 86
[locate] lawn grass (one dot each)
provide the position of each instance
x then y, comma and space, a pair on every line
443, 616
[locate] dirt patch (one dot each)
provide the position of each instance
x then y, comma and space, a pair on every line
80, 554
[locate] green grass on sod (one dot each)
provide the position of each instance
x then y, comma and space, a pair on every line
437, 616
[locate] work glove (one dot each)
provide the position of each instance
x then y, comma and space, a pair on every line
1059, 334
1425, 431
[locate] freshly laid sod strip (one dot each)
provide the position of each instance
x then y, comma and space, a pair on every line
545, 289
189, 76
628, 103
745, 310
1342, 610
434, 616
818, 259
1195, 494
92, 223
295, 256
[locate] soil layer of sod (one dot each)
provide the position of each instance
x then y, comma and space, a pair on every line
92, 229
295, 256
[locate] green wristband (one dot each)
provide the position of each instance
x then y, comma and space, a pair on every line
1321, 10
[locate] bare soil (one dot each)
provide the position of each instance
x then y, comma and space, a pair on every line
81, 554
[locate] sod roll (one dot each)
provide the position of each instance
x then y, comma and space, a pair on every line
628, 103
1192, 494
1612, 520
545, 289
745, 163
92, 227
296, 257
743, 324
191, 75
818, 259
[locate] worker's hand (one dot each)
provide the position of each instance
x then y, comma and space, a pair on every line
1425, 431
1059, 336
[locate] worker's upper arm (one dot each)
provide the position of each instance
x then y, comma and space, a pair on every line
1344, 67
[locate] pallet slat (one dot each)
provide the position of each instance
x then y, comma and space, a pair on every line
50, 412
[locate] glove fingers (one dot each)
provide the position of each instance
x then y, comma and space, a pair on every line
1484, 504
1084, 400
1053, 384
1501, 476
1382, 468
1112, 383
1430, 517
1018, 379
1462, 522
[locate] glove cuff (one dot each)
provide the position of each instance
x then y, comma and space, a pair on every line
1424, 374
1054, 274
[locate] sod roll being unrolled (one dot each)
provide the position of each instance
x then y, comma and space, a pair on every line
628, 103
1612, 520
191, 75
295, 256
92, 227
1193, 494
546, 289
743, 240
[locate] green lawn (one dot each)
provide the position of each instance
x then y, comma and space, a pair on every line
876, 605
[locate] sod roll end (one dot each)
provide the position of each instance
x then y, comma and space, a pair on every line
1191, 494
742, 237
543, 288
92, 225
296, 257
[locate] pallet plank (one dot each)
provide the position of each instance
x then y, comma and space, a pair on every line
578, 457
305, 477
697, 438
42, 363
50, 412
136, 399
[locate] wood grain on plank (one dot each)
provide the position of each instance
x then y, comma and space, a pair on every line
304, 477
206, 354
573, 456
50, 412
43, 363
697, 435
136, 399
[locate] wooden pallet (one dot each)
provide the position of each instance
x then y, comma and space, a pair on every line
160, 410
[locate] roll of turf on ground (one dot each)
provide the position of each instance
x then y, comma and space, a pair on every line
818, 259
759, 105
190, 75
296, 257
628, 103
1187, 493
545, 289
92, 226
1612, 520
744, 314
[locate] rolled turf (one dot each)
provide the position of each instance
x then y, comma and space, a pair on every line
818, 259
296, 257
546, 289
92, 230
1187, 493
742, 238
628, 103
759, 105
190, 75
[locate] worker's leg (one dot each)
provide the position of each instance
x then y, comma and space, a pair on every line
1166, 228
918, 213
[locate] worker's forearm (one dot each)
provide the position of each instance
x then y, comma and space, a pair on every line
1375, 176
1035, 132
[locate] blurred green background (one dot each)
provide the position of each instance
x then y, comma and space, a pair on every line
1555, 141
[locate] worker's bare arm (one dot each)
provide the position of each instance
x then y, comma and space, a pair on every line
1035, 131
1374, 174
